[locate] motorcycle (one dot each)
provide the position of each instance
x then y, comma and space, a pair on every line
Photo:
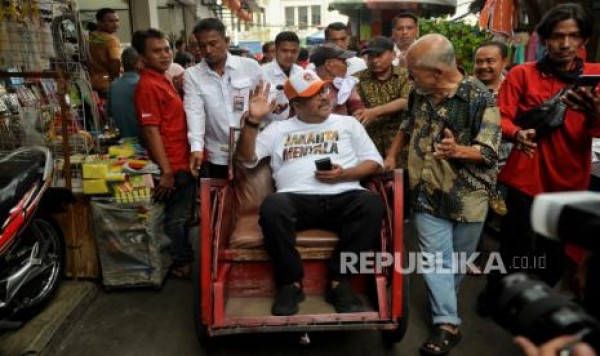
32, 256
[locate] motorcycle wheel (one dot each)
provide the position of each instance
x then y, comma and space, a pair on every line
35, 294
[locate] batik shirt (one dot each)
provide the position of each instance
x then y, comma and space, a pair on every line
453, 189
375, 92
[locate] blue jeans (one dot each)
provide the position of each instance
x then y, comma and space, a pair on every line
437, 235
178, 213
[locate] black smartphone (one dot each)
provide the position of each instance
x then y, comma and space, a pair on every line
324, 164
588, 80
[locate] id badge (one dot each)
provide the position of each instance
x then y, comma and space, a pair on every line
238, 103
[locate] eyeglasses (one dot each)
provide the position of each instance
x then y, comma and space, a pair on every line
324, 90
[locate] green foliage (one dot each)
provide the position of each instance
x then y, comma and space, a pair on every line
464, 37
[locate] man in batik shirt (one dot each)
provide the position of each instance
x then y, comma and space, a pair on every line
454, 130
384, 90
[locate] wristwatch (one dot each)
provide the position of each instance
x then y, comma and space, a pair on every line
251, 124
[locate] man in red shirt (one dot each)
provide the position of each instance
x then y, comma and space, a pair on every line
162, 119
560, 160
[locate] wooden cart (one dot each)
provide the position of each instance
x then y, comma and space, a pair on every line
233, 276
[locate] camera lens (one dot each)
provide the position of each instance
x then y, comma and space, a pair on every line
529, 307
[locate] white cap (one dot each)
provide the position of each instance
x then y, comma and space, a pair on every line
303, 84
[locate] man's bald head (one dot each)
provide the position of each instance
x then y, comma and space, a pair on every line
432, 51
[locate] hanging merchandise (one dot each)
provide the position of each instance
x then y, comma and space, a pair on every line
243, 15
234, 5
520, 44
32, 109
46, 99
499, 17
24, 32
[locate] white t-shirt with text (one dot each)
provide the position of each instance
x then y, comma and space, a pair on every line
294, 145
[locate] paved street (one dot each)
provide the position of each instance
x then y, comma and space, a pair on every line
147, 322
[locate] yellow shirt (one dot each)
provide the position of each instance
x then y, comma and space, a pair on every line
103, 48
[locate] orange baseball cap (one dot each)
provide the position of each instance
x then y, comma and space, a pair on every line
303, 84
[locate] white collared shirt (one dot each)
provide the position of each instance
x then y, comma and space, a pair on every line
213, 104
273, 73
400, 59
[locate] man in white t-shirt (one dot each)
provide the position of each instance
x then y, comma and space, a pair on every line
306, 198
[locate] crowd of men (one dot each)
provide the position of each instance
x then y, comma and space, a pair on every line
402, 102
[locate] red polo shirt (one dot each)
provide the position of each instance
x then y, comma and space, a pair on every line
158, 103
562, 160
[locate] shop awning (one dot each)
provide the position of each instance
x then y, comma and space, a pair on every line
345, 5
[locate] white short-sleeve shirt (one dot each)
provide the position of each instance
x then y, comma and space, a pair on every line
294, 145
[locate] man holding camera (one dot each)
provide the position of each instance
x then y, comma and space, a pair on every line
560, 160
328, 197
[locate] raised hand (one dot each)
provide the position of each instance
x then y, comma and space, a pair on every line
259, 105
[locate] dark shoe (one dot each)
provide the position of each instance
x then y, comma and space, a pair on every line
344, 299
440, 342
287, 299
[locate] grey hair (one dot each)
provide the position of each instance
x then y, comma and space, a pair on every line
129, 59
441, 52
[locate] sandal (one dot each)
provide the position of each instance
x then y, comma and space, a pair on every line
440, 342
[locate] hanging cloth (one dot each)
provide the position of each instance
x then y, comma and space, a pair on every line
344, 87
499, 17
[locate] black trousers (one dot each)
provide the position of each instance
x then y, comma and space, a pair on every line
211, 170
355, 215
518, 240
179, 208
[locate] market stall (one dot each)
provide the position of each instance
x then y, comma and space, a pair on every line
103, 200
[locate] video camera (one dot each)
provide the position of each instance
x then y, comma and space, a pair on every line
526, 306
572, 217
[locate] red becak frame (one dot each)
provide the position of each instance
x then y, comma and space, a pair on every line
222, 273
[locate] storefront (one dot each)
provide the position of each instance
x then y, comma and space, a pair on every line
104, 209
171, 17
370, 18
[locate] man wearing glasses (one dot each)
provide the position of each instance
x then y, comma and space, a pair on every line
327, 196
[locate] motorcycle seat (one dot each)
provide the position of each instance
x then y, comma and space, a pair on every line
18, 172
